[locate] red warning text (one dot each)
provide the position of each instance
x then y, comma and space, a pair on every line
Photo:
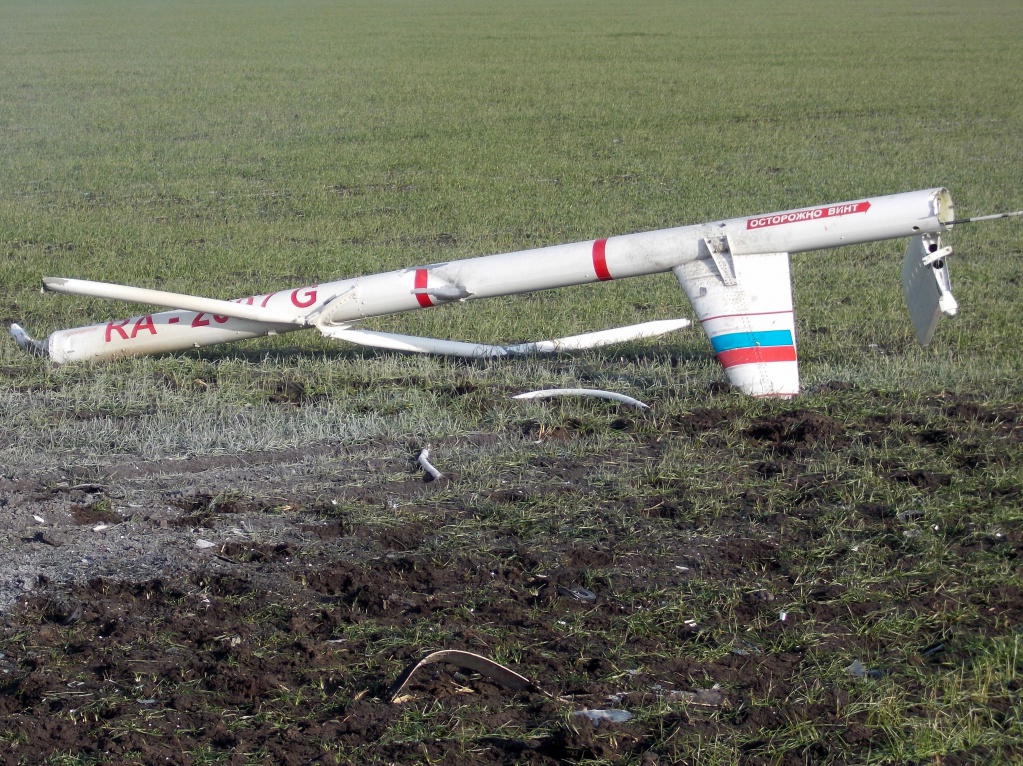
810, 214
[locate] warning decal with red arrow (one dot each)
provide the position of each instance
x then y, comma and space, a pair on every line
811, 214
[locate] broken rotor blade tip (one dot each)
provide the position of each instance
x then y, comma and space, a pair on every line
551, 393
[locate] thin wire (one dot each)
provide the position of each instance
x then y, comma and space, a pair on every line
985, 217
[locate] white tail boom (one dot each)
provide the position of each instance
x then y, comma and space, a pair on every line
735, 273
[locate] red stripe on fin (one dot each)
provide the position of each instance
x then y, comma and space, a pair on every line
757, 355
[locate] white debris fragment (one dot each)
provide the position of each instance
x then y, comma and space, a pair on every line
100, 527
611, 716
783, 616
712, 697
612, 395
856, 669
39, 519
579, 593
203, 544
424, 461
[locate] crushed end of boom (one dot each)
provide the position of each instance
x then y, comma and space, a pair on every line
26, 342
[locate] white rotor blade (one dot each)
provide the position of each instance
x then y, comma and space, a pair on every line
169, 300
420, 345
601, 337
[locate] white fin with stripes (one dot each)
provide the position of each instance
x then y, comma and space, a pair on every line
744, 303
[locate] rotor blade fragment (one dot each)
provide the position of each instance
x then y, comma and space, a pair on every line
504, 676
550, 393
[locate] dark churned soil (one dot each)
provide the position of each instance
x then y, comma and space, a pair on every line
257, 610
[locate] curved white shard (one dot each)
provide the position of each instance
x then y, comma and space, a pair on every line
550, 393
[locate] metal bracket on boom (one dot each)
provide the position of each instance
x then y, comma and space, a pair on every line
325, 316
444, 292
939, 268
721, 253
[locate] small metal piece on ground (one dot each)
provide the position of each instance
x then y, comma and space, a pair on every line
424, 461
610, 716
856, 669
933, 649
578, 593
712, 697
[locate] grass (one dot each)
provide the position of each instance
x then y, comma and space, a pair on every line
317, 140
230, 148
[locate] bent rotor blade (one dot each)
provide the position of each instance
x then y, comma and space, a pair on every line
169, 300
420, 345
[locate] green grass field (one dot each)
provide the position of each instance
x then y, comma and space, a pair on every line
228, 149
232, 148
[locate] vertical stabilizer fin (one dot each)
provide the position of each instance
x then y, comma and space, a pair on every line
926, 286
750, 323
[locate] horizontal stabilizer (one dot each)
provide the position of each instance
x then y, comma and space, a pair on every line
415, 344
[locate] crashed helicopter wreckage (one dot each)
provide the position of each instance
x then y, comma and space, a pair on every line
734, 272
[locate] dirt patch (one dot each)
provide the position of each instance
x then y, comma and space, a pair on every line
792, 431
256, 608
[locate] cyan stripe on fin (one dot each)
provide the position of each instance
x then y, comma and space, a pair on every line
735, 340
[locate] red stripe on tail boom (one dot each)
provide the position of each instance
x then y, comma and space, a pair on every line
423, 298
600, 260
